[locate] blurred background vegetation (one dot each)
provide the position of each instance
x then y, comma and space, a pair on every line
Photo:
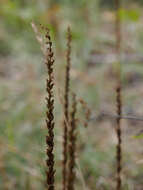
22, 90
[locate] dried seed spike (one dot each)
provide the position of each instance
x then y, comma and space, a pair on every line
118, 92
119, 137
67, 77
72, 146
50, 115
66, 107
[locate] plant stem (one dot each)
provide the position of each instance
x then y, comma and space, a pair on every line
72, 147
119, 138
66, 107
50, 115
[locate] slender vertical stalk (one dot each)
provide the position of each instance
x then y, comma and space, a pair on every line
119, 137
49, 114
118, 26
72, 147
66, 107
118, 98
118, 38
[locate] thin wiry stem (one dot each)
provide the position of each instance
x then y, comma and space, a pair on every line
128, 117
119, 137
66, 107
50, 115
118, 98
118, 26
104, 115
72, 147
118, 38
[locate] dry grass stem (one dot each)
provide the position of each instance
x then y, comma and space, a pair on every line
66, 107
50, 116
119, 138
72, 147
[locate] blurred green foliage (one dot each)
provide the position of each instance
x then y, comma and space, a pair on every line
111, 3
129, 15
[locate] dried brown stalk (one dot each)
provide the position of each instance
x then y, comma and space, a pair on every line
50, 115
118, 39
118, 98
119, 137
118, 26
72, 147
66, 106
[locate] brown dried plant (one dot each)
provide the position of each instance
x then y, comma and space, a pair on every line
118, 39
119, 137
72, 146
49, 114
66, 107
118, 98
